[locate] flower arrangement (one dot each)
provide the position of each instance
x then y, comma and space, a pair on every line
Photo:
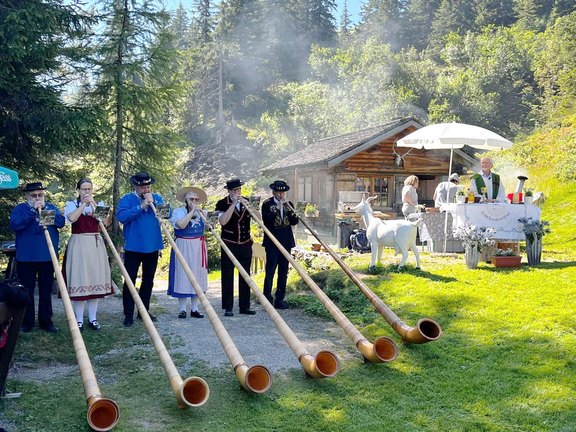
311, 210
533, 229
472, 236
505, 252
528, 193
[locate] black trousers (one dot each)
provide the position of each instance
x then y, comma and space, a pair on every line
132, 261
275, 260
243, 253
27, 272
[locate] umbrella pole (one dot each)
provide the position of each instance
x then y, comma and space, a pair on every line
447, 197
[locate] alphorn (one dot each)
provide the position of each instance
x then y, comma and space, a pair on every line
427, 330
257, 378
383, 350
103, 413
325, 364
193, 391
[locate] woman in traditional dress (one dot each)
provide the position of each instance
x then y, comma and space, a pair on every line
86, 266
189, 231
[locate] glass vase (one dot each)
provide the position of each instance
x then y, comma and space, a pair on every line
471, 256
534, 251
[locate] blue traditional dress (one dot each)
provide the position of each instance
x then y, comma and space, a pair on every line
192, 244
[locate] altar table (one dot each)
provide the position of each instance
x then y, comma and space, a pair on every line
501, 216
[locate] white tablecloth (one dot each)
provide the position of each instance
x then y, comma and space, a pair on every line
502, 217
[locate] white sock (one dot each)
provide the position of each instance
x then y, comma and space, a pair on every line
182, 304
78, 306
194, 304
92, 309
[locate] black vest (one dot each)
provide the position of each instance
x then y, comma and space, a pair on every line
237, 230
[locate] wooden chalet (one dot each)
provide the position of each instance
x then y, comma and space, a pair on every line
335, 172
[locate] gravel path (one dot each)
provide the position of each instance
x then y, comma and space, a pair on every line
255, 336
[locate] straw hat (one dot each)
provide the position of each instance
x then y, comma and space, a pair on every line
182, 193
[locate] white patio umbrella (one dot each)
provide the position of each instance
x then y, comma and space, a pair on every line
450, 136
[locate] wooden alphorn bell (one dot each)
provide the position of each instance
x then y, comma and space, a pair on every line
103, 413
325, 364
426, 330
257, 378
383, 350
193, 391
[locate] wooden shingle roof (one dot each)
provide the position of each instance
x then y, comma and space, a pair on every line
329, 149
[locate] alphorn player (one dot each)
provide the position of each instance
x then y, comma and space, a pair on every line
279, 217
142, 240
86, 267
32, 254
189, 231
235, 221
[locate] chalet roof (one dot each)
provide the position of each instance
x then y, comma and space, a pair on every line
329, 151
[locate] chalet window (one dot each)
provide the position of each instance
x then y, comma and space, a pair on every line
305, 189
375, 186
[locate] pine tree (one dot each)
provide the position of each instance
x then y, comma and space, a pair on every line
41, 54
137, 86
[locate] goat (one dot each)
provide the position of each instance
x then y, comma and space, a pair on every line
399, 234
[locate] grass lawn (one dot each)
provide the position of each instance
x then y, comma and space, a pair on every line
506, 361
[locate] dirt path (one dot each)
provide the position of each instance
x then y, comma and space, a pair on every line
256, 337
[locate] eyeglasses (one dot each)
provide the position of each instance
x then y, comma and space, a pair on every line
236, 189
193, 199
36, 195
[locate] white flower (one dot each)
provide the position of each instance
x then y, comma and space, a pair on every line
471, 236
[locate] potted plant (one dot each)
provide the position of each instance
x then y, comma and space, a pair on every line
505, 258
528, 196
474, 239
460, 195
311, 210
534, 230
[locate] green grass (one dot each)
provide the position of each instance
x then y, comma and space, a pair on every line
506, 361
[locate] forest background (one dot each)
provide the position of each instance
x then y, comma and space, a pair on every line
220, 89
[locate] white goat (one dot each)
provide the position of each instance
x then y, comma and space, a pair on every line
399, 234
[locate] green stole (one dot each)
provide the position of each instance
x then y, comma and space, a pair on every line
480, 184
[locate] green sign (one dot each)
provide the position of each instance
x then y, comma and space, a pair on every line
8, 179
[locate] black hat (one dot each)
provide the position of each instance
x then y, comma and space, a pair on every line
32, 187
233, 184
280, 186
142, 179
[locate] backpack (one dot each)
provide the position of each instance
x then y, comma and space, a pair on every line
359, 241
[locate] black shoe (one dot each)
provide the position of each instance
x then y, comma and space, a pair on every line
270, 299
94, 325
26, 329
182, 314
196, 314
152, 317
247, 312
80, 327
228, 313
50, 328
128, 321
281, 305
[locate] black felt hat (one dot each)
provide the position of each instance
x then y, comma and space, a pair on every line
279, 186
142, 179
33, 186
233, 184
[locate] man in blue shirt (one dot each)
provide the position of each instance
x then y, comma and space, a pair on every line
33, 256
142, 240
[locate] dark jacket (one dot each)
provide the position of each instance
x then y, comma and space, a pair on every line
281, 228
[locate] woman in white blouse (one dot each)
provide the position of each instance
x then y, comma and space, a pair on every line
410, 195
